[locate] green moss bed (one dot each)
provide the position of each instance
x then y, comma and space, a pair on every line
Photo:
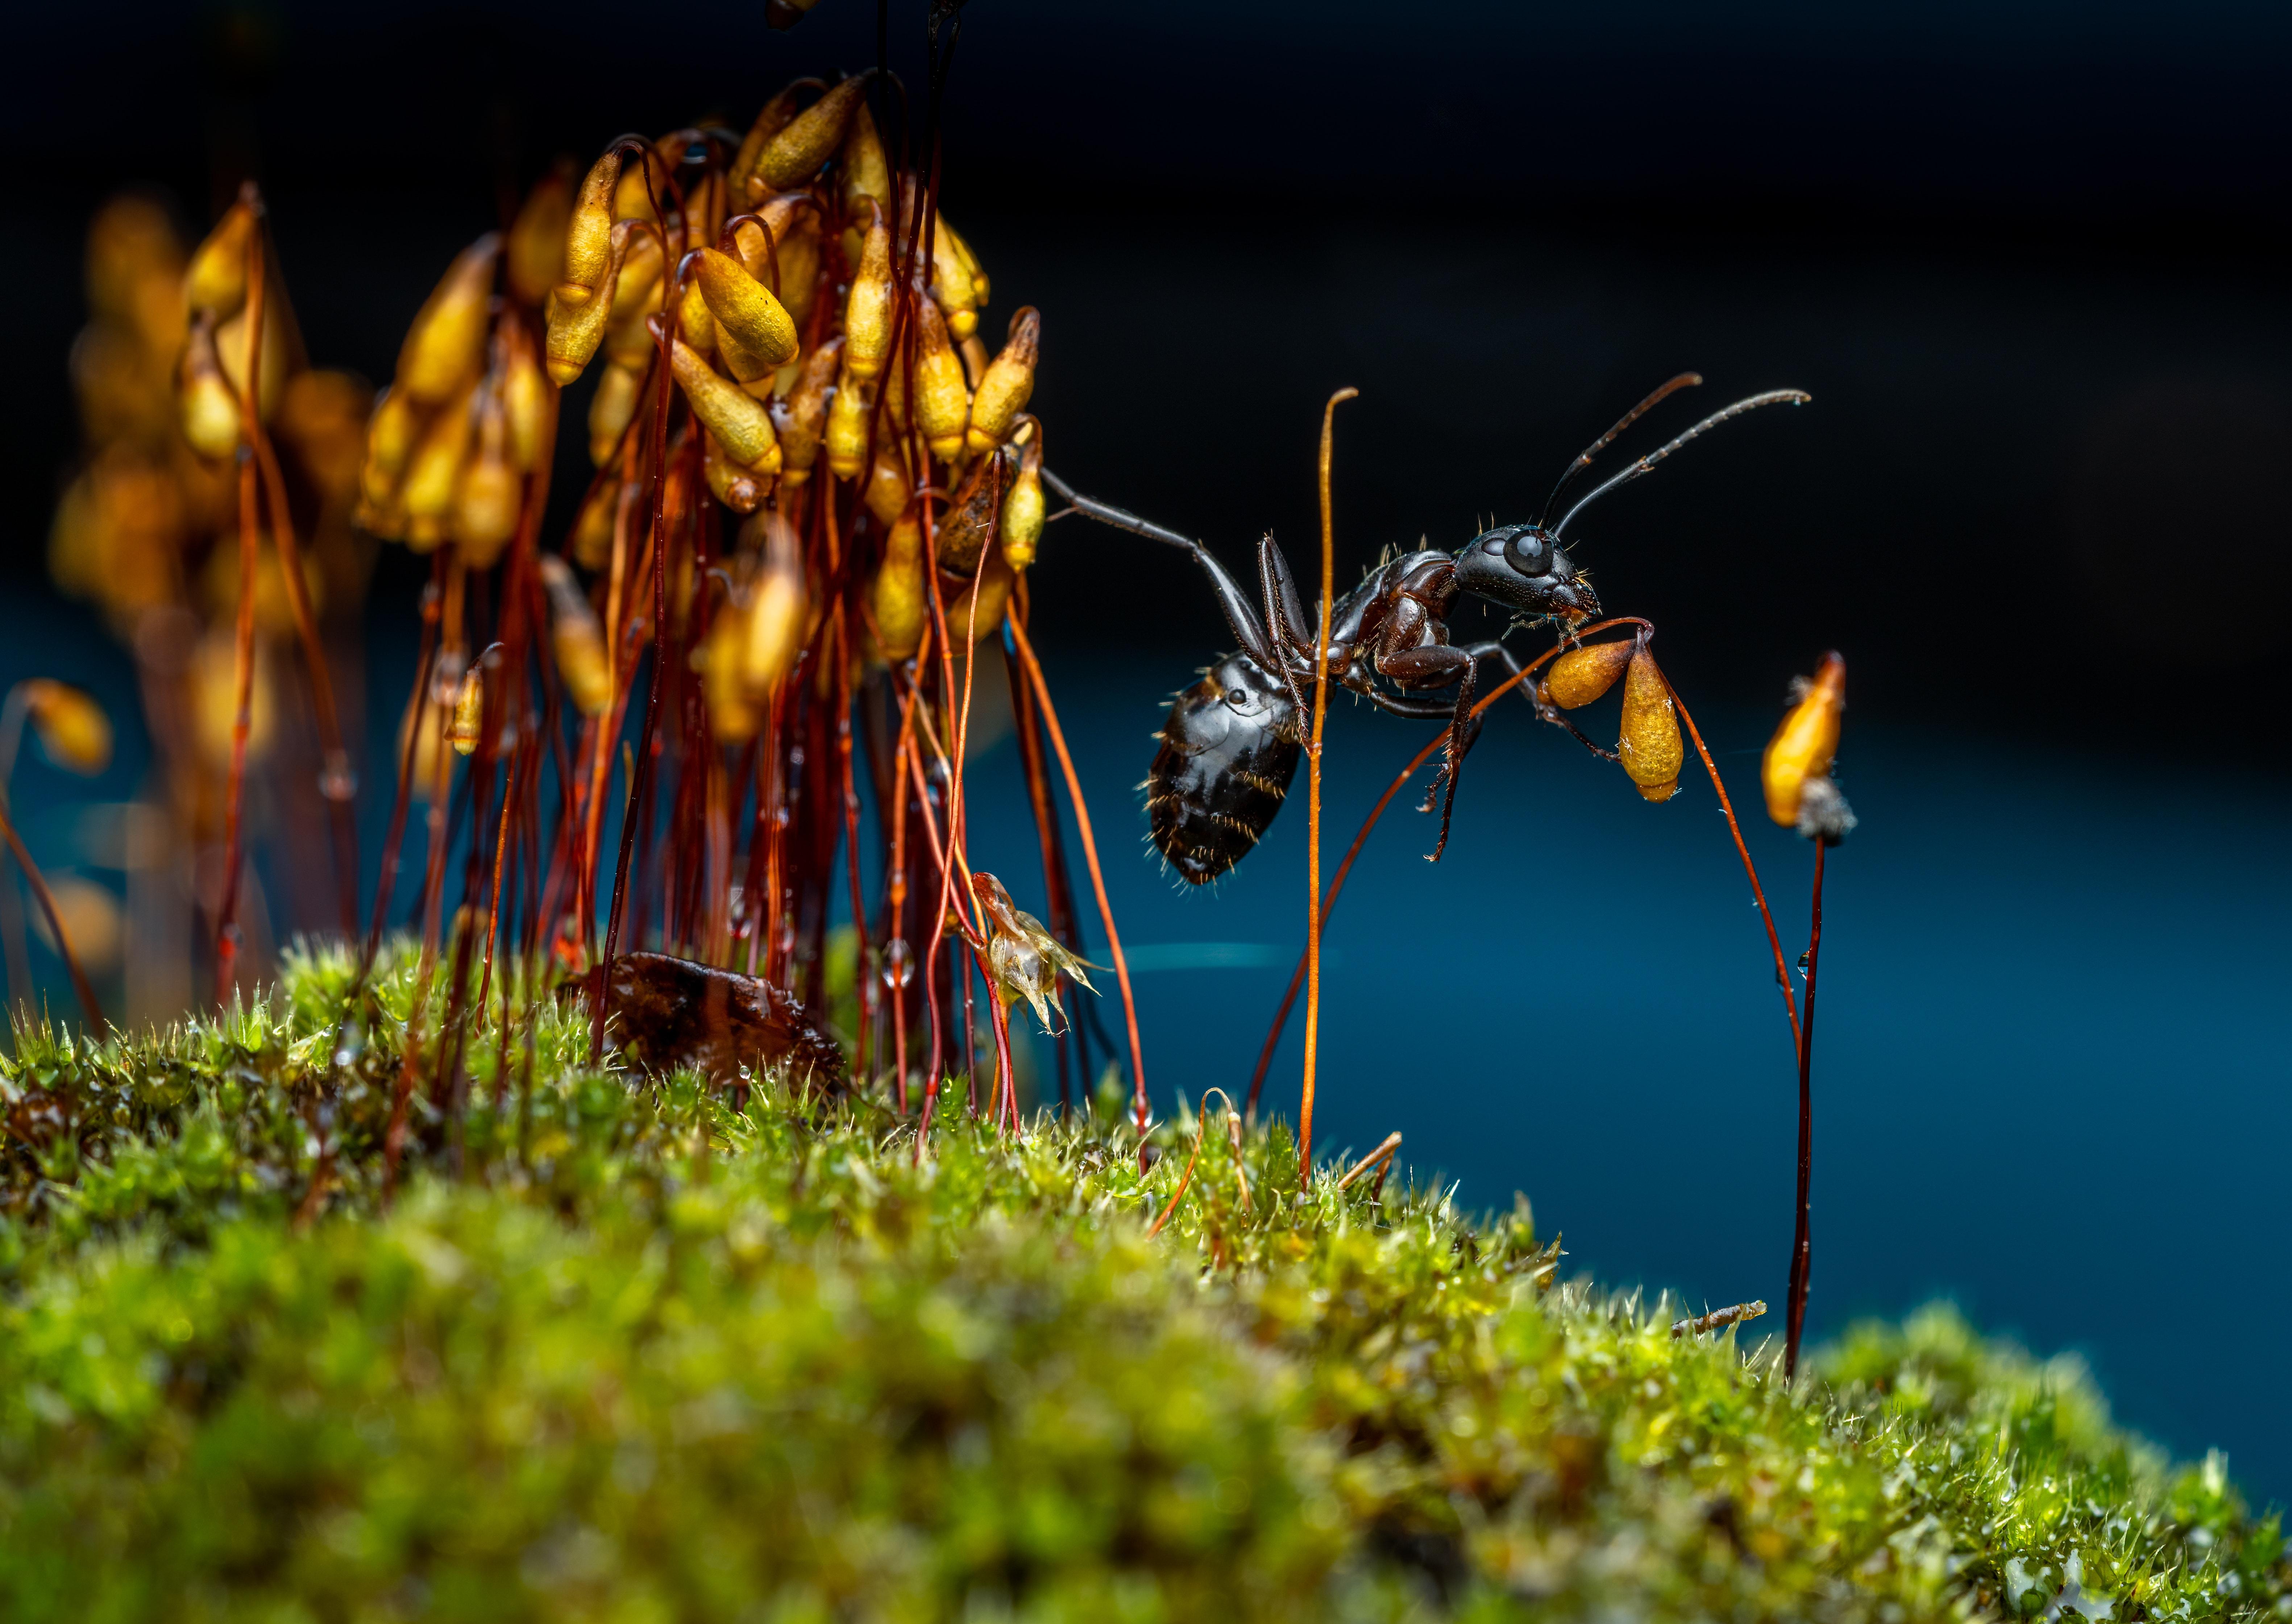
619, 1348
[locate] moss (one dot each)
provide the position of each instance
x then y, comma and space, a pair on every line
633, 1351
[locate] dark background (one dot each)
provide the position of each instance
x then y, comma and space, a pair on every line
2028, 258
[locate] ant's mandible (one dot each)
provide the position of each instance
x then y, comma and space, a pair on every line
1231, 743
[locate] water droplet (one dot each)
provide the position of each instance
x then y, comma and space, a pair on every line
337, 780
898, 964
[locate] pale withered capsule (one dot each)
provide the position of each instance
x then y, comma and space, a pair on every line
794, 155
1010, 380
589, 245
1024, 958
487, 503
802, 416
1806, 743
771, 120
434, 475
896, 598
753, 334
206, 402
1583, 674
942, 402
525, 398
1023, 503
620, 391
1650, 742
446, 346
216, 279
469, 723
578, 638
846, 438
72, 727
576, 329
970, 520
889, 487
733, 486
867, 308
536, 238
739, 422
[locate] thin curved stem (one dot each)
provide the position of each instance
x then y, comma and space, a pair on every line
1313, 909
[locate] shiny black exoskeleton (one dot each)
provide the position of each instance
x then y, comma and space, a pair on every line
1230, 748
1213, 791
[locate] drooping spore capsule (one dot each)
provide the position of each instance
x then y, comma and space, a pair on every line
215, 280
1584, 673
446, 344
576, 329
794, 155
846, 437
867, 308
771, 119
733, 486
592, 543
433, 474
867, 173
1009, 380
896, 600
578, 638
1806, 743
888, 488
536, 238
492, 492
469, 714
1022, 503
738, 422
943, 400
611, 409
588, 241
951, 284
1649, 742
205, 403
758, 633
70, 725
802, 416
753, 334
525, 398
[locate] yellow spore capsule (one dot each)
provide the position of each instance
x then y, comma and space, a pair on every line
1806, 743
1649, 742
942, 400
771, 120
1583, 674
276, 359
389, 437
739, 422
846, 438
889, 487
1009, 380
525, 399
802, 416
446, 346
434, 474
753, 332
951, 281
536, 247
589, 238
469, 714
867, 308
867, 173
592, 543
576, 328
979, 285
794, 155
577, 638
611, 409
1022, 505
492, 492
216, 277
206, 404
71, 727
733, 486
896, 598
995, 583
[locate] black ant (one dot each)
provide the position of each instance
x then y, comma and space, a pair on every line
1231, 742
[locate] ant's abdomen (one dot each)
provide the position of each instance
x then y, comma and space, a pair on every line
1230, 748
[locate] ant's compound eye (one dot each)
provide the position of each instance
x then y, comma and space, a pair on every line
1529, 551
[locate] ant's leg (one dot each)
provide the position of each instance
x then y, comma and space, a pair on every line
1285, 617
1235, 602
1544, 709
1464, 727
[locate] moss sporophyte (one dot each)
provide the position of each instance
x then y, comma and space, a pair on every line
663, 1350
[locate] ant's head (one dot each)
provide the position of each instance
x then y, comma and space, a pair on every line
1523, 568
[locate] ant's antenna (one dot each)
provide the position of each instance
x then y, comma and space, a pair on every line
1686, 380
1646, 464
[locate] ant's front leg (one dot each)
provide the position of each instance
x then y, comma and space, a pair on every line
1434, 665
1545, 709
